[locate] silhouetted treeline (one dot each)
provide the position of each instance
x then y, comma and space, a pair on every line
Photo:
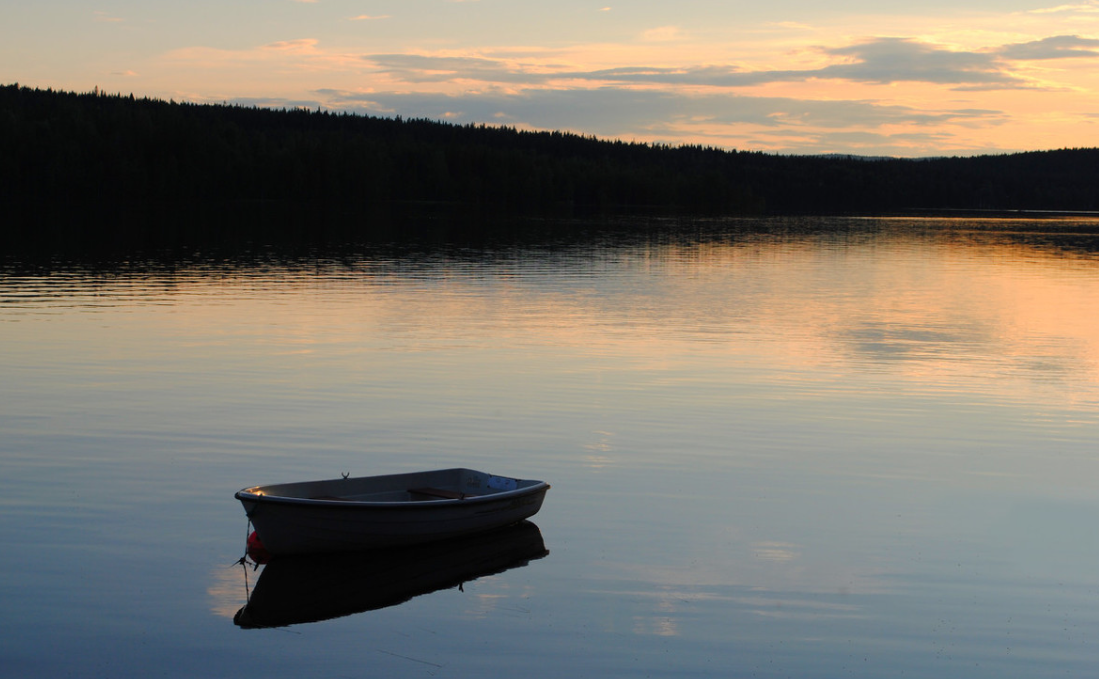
87, 150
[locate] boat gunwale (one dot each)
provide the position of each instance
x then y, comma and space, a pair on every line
244, 495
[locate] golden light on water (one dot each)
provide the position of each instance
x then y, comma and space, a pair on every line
228, 589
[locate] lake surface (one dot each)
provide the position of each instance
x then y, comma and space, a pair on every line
809, 448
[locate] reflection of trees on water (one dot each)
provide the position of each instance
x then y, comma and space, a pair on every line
1053, 236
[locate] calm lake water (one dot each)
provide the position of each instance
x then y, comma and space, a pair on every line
816, 448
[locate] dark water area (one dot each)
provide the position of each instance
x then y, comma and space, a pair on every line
810, 447
175, 231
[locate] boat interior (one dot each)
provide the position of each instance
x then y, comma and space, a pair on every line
446, 484
410, 495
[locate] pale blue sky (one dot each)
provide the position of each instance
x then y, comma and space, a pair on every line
784, 76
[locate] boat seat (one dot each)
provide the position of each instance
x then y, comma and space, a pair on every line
440, 493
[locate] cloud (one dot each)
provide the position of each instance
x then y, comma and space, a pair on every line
888, 60
878, 61
424, 69
612, 110
1057, 47
715, 104
1084, 8
301, 46
727, 120
368, 17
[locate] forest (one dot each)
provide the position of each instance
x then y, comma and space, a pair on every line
90, 153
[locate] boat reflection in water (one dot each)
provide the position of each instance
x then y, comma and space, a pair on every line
300, 589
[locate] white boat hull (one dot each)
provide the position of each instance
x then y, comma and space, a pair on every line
356, 514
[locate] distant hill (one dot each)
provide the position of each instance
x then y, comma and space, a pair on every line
93, 150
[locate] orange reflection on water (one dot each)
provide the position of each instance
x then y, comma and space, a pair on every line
956, 308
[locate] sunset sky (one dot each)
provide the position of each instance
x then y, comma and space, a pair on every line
877, 77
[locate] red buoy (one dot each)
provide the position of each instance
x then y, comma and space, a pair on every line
256, 551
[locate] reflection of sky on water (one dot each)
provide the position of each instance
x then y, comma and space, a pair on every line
763, 446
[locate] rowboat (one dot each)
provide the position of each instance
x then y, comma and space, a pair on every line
369, 512
313, 587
